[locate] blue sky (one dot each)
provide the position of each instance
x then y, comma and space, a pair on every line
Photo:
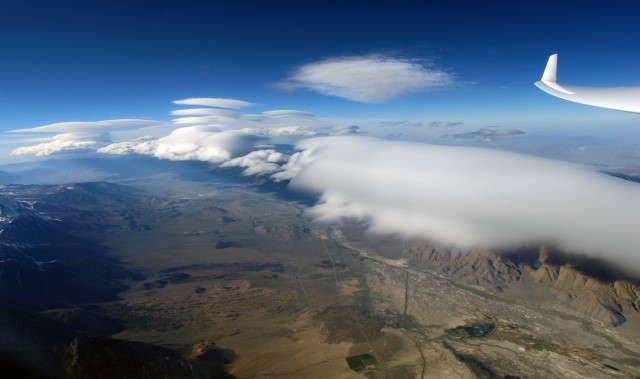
98, 60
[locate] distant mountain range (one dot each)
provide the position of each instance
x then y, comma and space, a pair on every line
60, 171
6, 178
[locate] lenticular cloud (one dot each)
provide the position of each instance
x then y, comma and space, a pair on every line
369, 79
199, 143
468, 196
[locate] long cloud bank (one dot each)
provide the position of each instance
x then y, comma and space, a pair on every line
468, 196
75, 137
210, 133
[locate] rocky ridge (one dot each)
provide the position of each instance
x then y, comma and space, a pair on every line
584, 284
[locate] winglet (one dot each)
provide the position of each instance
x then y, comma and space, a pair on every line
551, 69
549, 75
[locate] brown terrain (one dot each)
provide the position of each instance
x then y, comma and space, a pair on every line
239, 283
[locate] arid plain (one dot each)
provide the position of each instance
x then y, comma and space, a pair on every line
244, 274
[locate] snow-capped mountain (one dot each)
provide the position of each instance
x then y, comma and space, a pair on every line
46, 257
7, 215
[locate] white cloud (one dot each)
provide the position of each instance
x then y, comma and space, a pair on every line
287, 113
294, 165
260, 162
206, 112
57, 147
201, 120
287, 130
369, 79
214, 102
200, 143
273, 123
74, 137
345, 130
66, 143
422, 124
468, 196
207, 134
130, 147
85, 125
485, 134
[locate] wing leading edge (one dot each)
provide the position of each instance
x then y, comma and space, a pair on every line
619, 98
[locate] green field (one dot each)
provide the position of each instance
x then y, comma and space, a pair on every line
360, 362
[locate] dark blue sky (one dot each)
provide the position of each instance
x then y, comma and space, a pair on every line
93, 60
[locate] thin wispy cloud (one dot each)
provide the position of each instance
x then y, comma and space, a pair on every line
422, 124
286, 130
288, 113
85, 125
368, 79
205, 112
214, 102
485, 134
202, 120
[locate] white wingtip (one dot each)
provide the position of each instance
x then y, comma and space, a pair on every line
549, 75
551, 69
